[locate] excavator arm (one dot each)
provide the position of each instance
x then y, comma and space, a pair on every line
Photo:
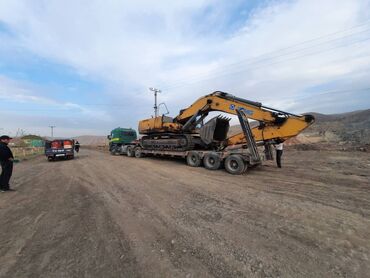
223, 102
273, 124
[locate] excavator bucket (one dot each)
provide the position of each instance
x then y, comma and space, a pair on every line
215, 130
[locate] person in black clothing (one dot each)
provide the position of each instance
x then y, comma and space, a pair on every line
77, 146
6, 161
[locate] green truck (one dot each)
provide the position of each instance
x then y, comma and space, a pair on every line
120, 139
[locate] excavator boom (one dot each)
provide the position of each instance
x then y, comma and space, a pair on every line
273, 124
189, 136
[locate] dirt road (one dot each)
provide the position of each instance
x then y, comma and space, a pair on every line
111, 216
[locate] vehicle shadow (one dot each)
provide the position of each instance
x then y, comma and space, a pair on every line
164, 159
77, 157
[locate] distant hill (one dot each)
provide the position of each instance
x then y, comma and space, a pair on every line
352, 127
32, 137
234, 129
91, 140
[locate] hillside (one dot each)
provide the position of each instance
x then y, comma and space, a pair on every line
347, 128
91, 140
351, 128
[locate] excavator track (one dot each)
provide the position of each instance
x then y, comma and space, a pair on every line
167, 142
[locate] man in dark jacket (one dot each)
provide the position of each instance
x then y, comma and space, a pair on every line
6, 161
77, 146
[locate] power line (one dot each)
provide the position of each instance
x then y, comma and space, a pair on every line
260, 58
342, 91
334, 92
266, 56
261, 66
257, 62
265, 59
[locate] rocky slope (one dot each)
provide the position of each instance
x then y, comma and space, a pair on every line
346, 130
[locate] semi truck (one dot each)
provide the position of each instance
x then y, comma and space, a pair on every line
120, 138
199, 142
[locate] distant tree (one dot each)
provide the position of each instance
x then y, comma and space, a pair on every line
20, 132
31, 137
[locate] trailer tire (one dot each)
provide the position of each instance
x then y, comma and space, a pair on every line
138, 152
234, 164
193, 159
212, 161
130, 151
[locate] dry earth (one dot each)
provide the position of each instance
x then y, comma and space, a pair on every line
112, 216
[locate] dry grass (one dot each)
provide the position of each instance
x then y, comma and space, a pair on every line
24, 153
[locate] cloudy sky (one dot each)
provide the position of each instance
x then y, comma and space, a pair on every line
86, 66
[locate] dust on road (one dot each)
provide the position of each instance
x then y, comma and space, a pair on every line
112, 216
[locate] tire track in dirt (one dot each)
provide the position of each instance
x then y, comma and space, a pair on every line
112, 216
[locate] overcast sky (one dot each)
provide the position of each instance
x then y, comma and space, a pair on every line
86, 66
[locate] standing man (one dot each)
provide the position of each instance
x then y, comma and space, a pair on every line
279, 152
6, 161
77, 146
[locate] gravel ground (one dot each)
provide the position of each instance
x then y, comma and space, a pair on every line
114, 216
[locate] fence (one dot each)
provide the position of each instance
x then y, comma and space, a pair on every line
26, 152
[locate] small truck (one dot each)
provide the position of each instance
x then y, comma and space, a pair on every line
59, 149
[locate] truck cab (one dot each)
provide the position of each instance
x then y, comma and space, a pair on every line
120, 139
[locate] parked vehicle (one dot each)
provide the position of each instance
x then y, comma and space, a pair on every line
59, 149
207, 143
120, 139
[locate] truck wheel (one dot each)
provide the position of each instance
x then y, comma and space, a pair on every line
112, 150
130, 151
193, 159
138, 153
116, 150
212, 161
234, 164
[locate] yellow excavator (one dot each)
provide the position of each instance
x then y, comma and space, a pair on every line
188, 134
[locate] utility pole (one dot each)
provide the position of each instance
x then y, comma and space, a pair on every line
156, 91
52, 130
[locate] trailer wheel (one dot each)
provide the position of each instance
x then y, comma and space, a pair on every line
212, 161
130, 151
138, 153
193, 159
234, 164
